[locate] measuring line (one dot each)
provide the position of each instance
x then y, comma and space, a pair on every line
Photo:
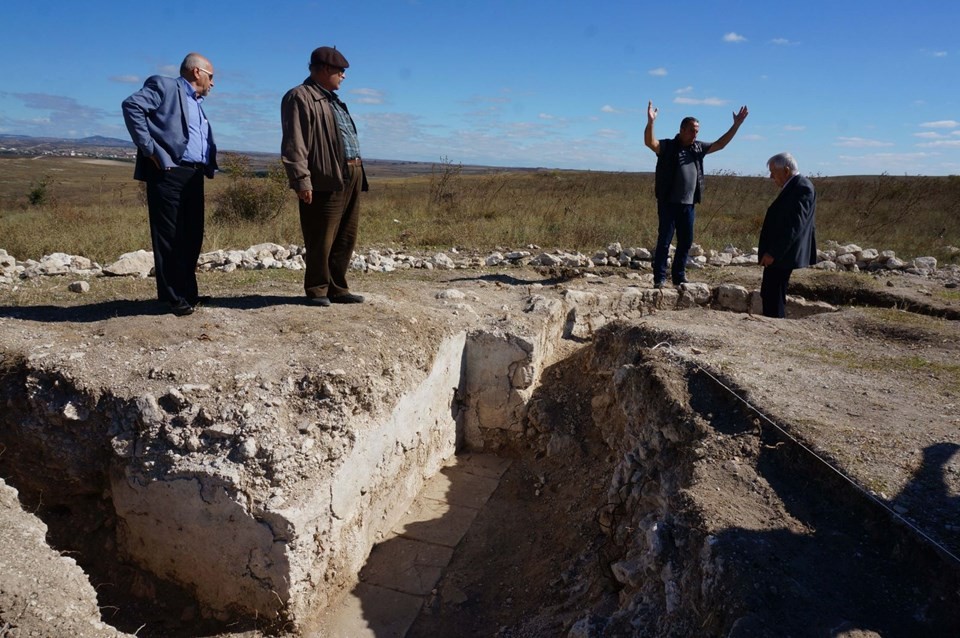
812, 453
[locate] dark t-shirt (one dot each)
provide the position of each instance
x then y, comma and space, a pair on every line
685, 179
679, 177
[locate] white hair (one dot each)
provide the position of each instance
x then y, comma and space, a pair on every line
781, 160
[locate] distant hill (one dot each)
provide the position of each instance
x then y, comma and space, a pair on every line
17, 141
100, 140
115, 148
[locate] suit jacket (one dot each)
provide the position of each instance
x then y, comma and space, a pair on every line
156, 117
788, 234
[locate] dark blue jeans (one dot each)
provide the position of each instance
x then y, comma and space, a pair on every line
677, 217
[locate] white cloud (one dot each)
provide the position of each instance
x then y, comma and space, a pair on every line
709, 101
170, 69
860, 142
126, 79
686, 89
939, 54
606, 108
902, 158
659, 72
753, 137
941, 124
940, 144
545, 116
794, 127
609, 133
734, 37
781, 42
368, 96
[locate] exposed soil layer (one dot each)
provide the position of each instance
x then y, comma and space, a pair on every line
646, 496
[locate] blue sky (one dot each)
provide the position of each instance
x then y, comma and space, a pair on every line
847, 86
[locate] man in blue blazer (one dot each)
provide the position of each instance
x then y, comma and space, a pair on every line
175, 150
788, 237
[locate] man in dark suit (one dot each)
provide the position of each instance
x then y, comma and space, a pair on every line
175, 150
788, 237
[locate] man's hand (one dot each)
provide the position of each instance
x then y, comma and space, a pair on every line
305, 196
652, 112
649, 139
739, 117
766, 260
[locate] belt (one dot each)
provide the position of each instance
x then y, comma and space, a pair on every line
196, 165
354, 162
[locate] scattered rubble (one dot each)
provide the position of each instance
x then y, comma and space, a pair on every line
833, 257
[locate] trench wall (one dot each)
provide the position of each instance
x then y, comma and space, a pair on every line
247, 554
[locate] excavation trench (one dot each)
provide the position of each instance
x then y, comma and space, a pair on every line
642, 498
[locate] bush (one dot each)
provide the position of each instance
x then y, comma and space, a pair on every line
248, 197
38, 191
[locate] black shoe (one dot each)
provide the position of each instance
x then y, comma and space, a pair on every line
323, 302
680, 282
181, 309
658, 285
347, 298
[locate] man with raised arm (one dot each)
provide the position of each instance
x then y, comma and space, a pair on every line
678, 187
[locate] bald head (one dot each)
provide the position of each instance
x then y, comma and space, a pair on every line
198, 71
194, 61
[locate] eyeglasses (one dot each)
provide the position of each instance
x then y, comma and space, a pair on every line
207, 72
338, 69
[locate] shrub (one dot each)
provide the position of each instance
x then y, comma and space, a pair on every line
248, 197
38, 191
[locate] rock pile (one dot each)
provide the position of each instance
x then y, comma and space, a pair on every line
834, 257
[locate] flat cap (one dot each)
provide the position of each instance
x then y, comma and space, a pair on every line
328, 55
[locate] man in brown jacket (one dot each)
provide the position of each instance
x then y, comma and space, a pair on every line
321, 155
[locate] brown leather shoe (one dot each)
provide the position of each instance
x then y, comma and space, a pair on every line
347, 298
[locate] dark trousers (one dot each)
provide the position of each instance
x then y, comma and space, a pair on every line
773, 291
175, 203
329, 224
672, 217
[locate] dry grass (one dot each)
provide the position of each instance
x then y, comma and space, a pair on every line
97, 210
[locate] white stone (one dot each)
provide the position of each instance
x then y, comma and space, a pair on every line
441, 261
732, 297
79, 286
494, 259
926, 263
849, 249
135, 264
